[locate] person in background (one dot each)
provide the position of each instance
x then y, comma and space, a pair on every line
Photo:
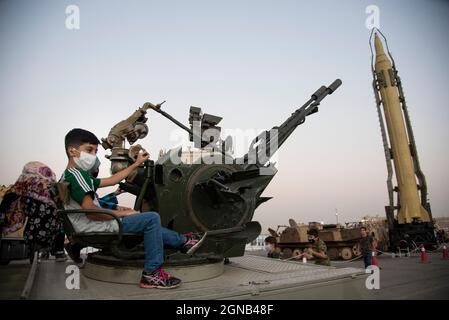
270, 246
366, 246
318, 249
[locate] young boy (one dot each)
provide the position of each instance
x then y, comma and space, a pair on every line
81, 148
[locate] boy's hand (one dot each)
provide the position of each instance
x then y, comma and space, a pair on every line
122, 174
141, 158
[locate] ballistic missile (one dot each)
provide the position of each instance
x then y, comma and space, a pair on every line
401, 149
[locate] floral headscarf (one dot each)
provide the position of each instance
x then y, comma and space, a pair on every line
34, 181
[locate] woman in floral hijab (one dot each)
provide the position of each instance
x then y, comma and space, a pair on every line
30, 195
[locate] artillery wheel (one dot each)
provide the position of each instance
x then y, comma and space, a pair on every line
286, 253
296, 253
356, 251
346, 253
333, 254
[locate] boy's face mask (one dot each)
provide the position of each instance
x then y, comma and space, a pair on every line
269, 247
85, 161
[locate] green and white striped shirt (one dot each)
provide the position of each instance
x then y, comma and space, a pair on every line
82, 184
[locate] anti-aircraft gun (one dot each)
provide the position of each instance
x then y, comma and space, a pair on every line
216, 193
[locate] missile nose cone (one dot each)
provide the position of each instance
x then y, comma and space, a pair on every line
382, 61
378, 45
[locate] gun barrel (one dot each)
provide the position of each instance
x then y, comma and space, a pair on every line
288, 126
169, 117
334, 86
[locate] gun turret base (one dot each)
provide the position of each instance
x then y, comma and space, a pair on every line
110, 269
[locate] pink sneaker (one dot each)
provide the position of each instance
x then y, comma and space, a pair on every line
158, 279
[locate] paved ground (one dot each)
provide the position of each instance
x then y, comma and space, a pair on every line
249, 277
400, 278
407, 277
12, 279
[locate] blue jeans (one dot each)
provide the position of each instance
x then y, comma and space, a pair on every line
154, 237
367, 259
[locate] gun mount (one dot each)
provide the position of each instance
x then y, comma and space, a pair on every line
131, 129
217, 197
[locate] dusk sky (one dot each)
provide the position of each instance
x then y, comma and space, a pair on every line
251, 62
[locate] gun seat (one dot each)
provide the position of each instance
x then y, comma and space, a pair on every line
120, 244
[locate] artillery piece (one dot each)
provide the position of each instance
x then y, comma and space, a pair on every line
217, 193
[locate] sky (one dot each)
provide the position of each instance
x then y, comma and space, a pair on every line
251, 62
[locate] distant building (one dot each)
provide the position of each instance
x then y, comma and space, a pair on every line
257, 244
